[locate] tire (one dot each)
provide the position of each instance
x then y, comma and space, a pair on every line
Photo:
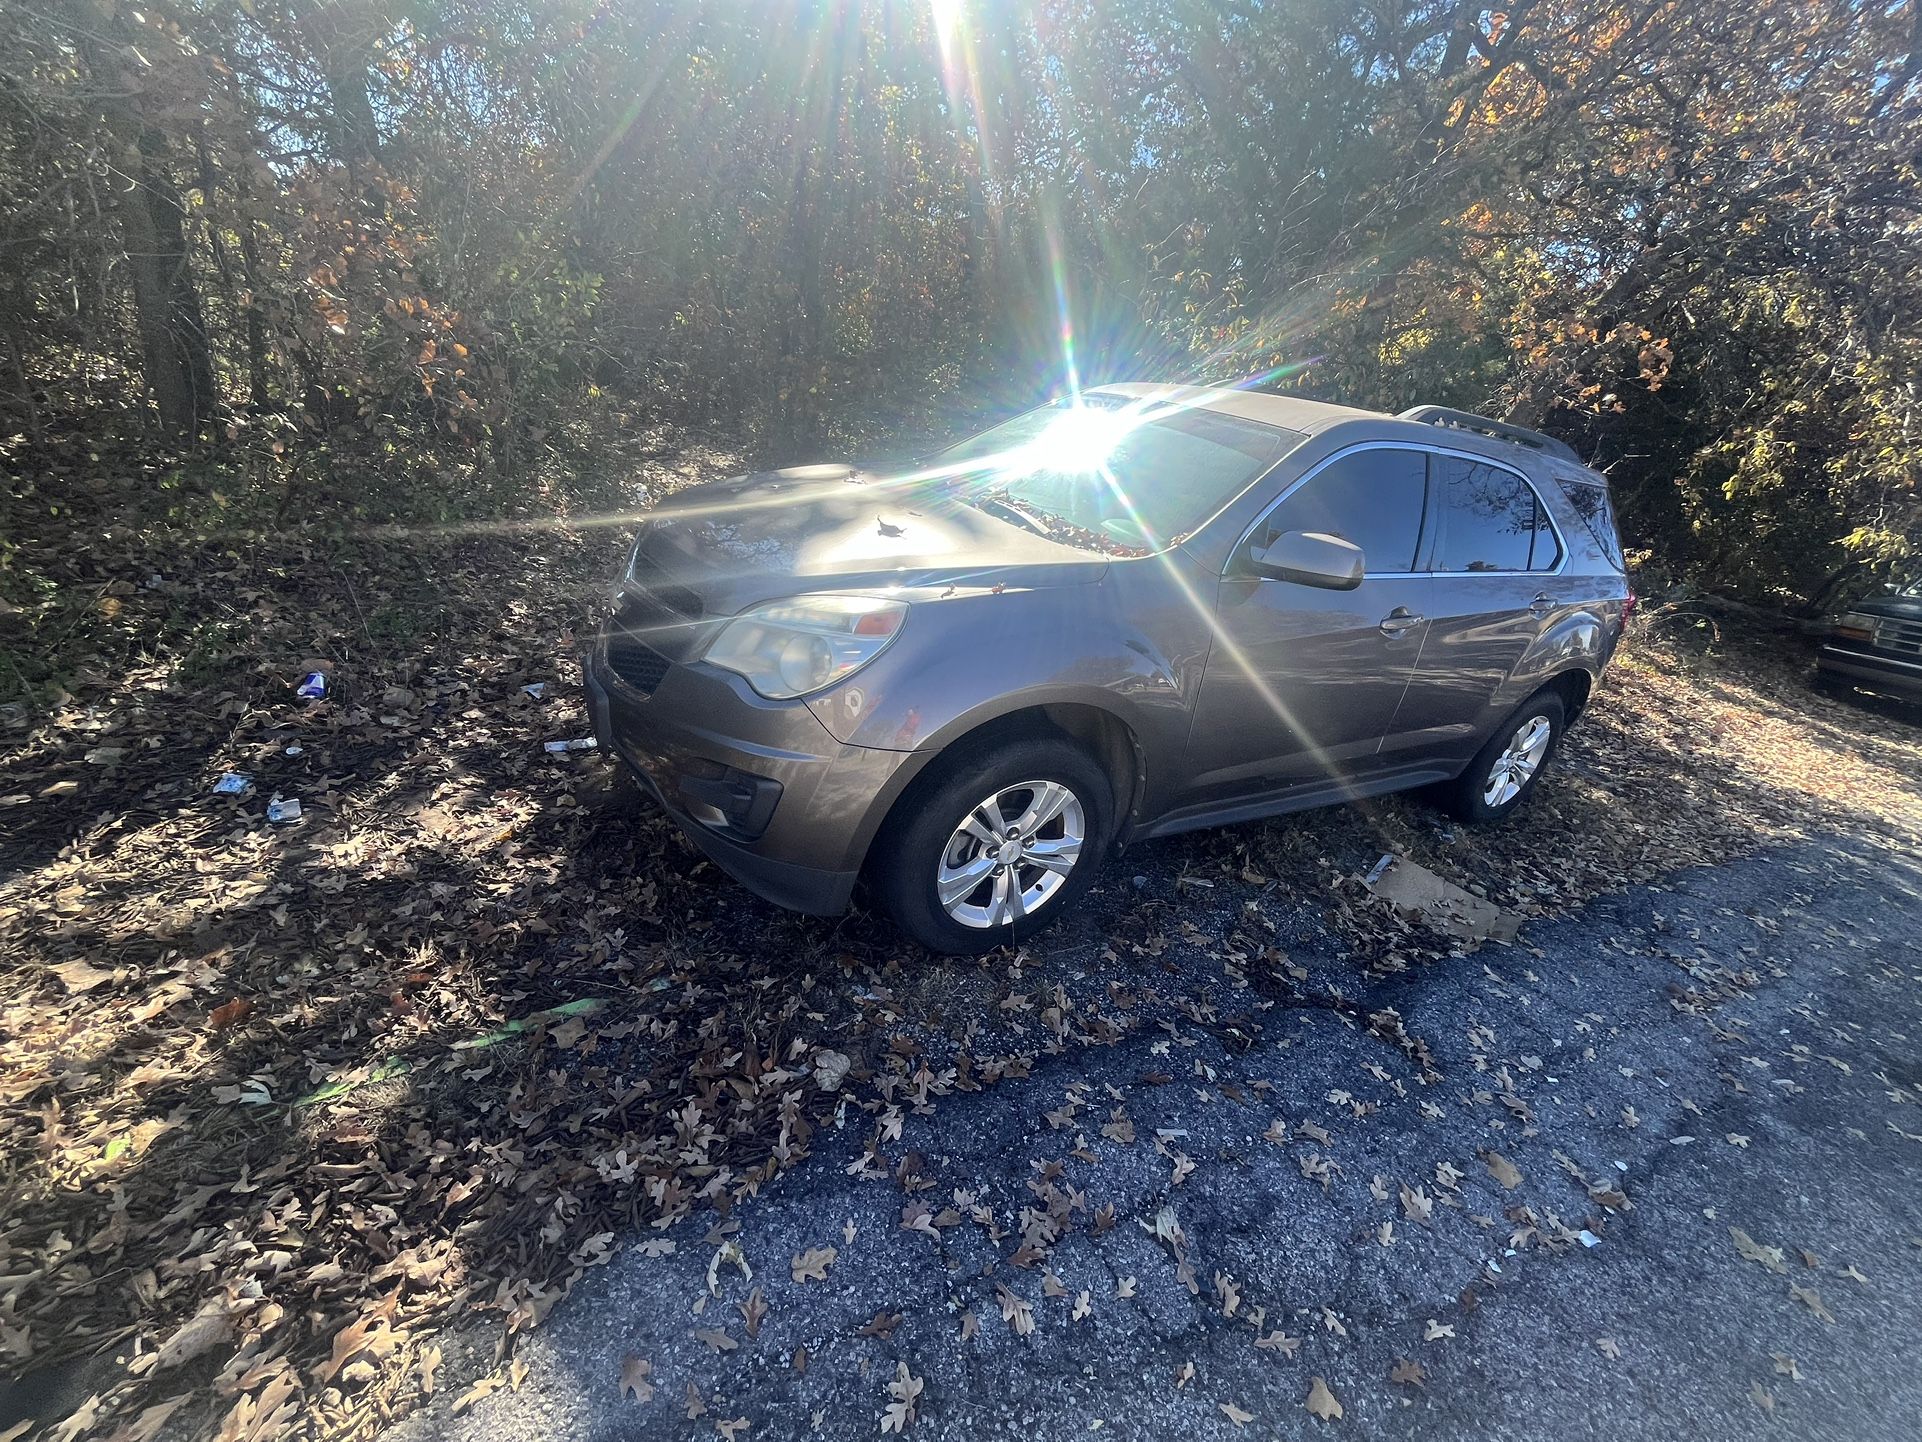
1468, 797
996, 787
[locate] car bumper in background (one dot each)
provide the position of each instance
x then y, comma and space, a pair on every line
1877, 673
763, 789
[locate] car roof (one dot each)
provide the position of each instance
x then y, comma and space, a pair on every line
1290, 412
1438, 427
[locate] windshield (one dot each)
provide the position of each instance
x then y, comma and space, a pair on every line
1121, 476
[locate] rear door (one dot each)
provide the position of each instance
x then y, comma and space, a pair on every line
1302, 682
1495, 563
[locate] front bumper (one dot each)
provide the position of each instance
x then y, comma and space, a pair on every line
1876, 672
808, 805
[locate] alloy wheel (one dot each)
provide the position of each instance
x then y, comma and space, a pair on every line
1010, 854
1518, 762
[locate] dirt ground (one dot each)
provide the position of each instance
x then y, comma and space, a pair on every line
308, 1124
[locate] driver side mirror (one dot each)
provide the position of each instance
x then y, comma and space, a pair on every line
1309, 558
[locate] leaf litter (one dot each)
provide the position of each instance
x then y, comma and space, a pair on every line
378, 1048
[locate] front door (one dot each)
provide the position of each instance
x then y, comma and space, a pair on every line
1303, 683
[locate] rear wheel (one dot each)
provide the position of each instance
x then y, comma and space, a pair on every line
1000, 843
1507, 769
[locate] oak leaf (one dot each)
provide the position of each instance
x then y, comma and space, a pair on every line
812, 1265
1321, 1401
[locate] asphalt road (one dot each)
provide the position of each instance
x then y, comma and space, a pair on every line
1739, 1048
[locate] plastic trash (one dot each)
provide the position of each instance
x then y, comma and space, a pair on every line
232, 783
1379, 867
580, 743
538, 690
287, 809
1588, 1238
312, 687
295, 750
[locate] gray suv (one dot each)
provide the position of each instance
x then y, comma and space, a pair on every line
1136, 612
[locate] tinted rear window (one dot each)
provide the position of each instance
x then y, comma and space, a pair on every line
1591, 503
1490, 520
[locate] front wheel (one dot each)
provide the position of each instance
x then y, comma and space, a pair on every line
1506, 769
1001, 843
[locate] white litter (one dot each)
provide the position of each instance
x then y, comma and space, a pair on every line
582, 743
283, 810
232, 783
1588, 1238
537, 690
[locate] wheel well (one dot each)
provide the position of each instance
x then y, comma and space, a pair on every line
1101, 733
1574, 687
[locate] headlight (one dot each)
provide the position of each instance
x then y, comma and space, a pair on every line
789, 648
1856, 625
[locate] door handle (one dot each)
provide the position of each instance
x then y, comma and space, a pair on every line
1399, 620
1542, 604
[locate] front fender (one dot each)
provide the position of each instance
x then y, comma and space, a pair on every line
965, 660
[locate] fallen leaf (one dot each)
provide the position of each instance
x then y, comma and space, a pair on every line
1812, 1299
222, 1017
882, 1325
1321, 1401
1016, 1312
1609, 1348
715, 1338
1752, 1250
1502, 1170
812, 1265
1406, 1373
754, 1311
1235, 1415
905, 1389
78, 976
199, 1334
635, 1372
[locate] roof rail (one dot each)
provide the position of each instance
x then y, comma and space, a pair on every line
1482, 425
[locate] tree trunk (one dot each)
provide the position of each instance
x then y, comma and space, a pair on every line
173, 335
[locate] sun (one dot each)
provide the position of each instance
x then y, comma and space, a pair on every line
947, 19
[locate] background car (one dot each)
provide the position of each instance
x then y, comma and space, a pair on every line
1876, 644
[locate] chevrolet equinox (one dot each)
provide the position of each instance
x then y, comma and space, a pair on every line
1135, 612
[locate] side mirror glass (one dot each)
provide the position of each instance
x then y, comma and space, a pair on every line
1310, 558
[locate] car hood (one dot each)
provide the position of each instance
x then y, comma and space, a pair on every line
1907, 607
730, 544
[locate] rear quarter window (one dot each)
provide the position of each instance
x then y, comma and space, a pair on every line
1589, 500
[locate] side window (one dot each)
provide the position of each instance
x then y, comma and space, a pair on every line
1491, 520
1590, 500
1373, 498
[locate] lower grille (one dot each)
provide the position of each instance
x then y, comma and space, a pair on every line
635, 662
1894, 633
